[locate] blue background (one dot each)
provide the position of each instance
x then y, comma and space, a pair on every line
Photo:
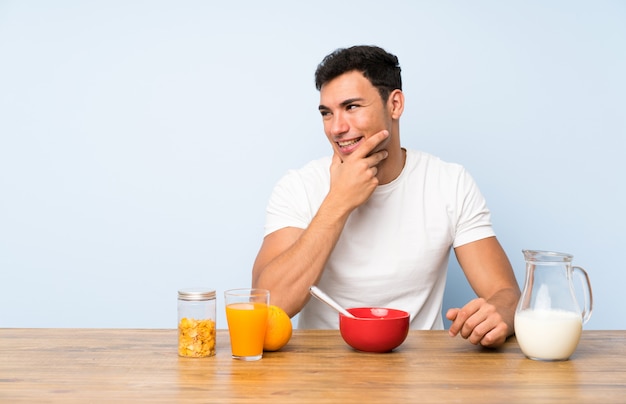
140, 140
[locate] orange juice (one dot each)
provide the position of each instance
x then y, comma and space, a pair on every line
246, 325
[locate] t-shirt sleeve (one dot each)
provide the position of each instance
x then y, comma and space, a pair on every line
288, 206
474, 218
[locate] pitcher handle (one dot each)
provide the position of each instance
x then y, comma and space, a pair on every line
588, 295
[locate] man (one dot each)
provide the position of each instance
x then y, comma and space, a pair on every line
374, 224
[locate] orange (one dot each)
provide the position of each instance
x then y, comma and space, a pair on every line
278, 330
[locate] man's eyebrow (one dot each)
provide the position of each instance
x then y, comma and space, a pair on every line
343, 103
351, 101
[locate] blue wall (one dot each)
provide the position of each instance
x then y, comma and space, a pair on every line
139, 141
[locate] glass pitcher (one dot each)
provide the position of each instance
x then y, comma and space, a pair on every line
548, 318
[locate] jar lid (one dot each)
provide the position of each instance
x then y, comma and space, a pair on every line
196, 294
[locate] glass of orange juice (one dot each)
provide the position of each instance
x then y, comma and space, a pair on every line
246, 314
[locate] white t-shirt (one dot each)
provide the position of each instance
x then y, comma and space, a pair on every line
394, 249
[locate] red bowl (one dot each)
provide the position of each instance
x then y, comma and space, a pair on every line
375, 329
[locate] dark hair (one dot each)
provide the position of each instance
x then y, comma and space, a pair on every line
381, 68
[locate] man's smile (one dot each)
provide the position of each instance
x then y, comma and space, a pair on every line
347, 146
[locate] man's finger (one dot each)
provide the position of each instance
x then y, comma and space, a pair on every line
336, 158
370, 144
377, 157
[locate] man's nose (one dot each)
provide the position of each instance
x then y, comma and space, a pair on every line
338, 125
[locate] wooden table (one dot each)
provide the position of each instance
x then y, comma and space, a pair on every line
121, 365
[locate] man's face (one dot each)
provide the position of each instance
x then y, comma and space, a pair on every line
352, 111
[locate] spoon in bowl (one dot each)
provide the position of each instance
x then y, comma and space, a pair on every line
315, 291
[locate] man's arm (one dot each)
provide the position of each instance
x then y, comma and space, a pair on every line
291, 260
487, 320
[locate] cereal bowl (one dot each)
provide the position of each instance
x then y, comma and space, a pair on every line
375, 329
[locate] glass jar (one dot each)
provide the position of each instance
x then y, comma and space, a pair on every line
196, 322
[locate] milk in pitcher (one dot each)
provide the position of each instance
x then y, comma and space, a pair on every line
548, 334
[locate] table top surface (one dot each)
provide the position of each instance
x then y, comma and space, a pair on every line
102, 365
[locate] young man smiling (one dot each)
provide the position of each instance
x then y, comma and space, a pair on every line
373, 225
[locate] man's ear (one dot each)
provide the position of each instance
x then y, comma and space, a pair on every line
396, 103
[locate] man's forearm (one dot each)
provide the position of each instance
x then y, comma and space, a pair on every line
290, 274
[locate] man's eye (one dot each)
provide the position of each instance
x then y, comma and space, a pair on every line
324, 113
351, 107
